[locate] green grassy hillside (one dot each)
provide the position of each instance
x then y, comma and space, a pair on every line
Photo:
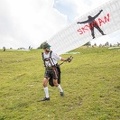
91, 84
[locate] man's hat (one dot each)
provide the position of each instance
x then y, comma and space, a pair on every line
45, 45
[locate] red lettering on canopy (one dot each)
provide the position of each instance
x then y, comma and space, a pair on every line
107, 18
99, 22
85, 28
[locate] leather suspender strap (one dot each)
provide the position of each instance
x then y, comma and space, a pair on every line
51, 58
43, 59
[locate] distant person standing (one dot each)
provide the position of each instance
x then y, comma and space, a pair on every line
4, 49
92, 23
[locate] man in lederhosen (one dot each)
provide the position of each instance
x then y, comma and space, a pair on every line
52, 70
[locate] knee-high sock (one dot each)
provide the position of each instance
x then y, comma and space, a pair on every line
60, 88
46, 92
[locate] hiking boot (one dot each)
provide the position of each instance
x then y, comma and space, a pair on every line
61, 93
44, 99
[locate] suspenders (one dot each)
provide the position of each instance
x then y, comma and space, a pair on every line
50, 60
54, 67
43, 59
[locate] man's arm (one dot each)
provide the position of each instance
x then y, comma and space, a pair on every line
97, 14
63, 59
83, 22
69, 59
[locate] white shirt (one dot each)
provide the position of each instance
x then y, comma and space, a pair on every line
51, 61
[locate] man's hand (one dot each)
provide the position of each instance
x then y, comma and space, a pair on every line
78, 22
69, 59
101, 10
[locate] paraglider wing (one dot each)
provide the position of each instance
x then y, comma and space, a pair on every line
104, 20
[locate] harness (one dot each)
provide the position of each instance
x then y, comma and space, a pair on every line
50, 60
53, 67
